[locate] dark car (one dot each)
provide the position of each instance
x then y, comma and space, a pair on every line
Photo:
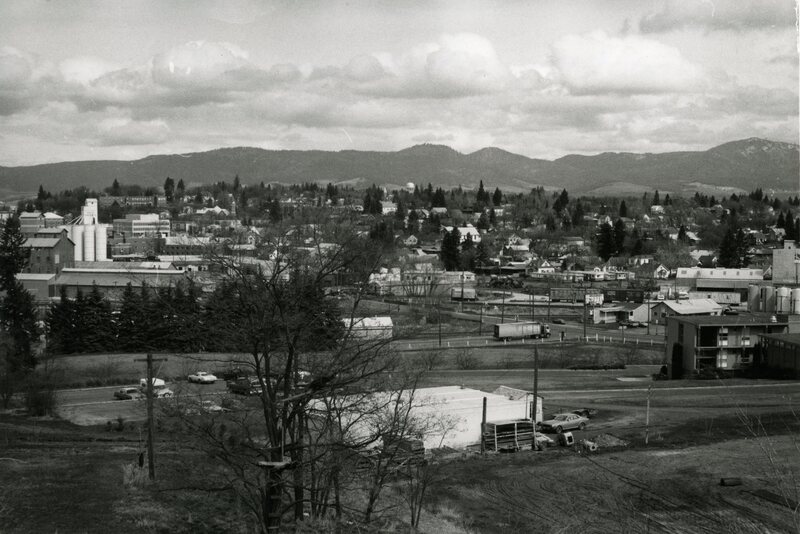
585, 412
245, 386
559, 321
234, 373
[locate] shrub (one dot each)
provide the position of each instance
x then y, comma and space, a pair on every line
40, 397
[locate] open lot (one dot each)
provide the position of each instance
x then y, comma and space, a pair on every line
698, 433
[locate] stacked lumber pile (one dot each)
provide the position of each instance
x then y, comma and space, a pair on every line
508, 435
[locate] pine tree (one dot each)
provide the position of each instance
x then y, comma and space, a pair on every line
781, 222
623, 209
169, 189
733, 248
605, 242
656, 199
450, 252
497, 197
682, 234
180, 189
619, 236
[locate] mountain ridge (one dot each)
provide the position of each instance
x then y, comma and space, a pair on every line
744, 164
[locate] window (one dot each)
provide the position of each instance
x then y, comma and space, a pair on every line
745, 340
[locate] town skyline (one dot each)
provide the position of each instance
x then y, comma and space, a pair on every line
123, 81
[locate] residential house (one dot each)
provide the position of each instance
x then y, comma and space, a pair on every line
623, 311
411, 241
387, 208
726, 342
464, 231
661, 272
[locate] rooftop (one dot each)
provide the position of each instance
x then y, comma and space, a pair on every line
793, 339
733, 320
41, 242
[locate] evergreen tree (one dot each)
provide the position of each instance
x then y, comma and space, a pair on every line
115, 188
667, 200
497, 197
13, 255
619, 236
169, 189
605, 242
438, 200
789, 227
18, 322
623, 209
481, 254
577, 214
413, 222
180, 189
682, 234
482, 197
781, 222
400, 213
492, 217
483, 222
561, 202
60, 325
450, 252
733, 248
656, 199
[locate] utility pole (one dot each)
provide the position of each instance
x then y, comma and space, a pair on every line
535, 387
439, 321
503, 309
151, 424
584, 319
483, 428
647, 416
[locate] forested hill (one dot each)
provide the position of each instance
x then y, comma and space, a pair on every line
743, 165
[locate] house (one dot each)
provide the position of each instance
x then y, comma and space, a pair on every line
623, 311
411, 241
464, 231
439, 211
387, 208
541, 266
641, 259
661, 272
684, 308
726, 342
656, 209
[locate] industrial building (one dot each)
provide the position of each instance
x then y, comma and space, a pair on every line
89, 236
781, 354
141, 225
786, 264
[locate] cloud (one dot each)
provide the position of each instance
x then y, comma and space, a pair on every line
15, 69
84, 69
120, 131
736, 15
197, 63
599, 63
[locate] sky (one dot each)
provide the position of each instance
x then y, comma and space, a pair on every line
107, 79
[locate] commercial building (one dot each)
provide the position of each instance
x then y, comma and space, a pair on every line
112, 281
141, 225
726, 342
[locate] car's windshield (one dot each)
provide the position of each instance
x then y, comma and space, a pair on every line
560, 417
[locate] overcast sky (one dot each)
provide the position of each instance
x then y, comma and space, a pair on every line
125, 79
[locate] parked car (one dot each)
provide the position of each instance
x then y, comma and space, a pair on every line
201, 377
162, 393
588, 413
559, 321
245, 386
564, 421
157, 383
129, 393
235, 373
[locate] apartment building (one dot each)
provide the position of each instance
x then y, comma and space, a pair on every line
726, 342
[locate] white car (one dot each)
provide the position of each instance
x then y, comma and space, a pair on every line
201, 377
157, 383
